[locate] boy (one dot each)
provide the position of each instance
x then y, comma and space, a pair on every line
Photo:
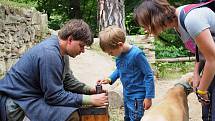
133, 70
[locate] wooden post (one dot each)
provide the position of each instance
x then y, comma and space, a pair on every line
94, 113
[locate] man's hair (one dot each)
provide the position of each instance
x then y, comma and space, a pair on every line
77, 29
153, 15
110, 37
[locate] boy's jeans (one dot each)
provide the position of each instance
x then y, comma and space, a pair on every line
134, 110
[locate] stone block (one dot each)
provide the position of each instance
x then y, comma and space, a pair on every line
2, 12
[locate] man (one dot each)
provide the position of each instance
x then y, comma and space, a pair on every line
42, 85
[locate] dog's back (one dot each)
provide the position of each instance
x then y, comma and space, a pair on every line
174, 107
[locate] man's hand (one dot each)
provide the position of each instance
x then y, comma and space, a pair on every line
147, 103
99, 99
92, 91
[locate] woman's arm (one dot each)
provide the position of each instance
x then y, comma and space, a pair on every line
196, 76
206, 45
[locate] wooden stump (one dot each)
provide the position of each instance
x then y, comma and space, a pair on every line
94, 113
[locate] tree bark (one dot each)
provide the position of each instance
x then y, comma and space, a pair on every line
74, 10
111, 12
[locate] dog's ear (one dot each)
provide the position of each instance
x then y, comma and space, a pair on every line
190, 81
188, 77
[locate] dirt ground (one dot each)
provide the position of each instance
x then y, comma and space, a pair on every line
91, 66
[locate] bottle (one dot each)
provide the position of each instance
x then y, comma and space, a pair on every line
98, 88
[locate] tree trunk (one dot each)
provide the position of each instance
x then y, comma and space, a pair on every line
74, 10
111, 12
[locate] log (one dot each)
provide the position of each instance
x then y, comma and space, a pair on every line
172, 60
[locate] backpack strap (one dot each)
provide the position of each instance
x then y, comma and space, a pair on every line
197, 54
188, 8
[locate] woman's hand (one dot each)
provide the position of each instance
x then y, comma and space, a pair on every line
203, 97
196, 81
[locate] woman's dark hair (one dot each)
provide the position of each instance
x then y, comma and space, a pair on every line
153, 15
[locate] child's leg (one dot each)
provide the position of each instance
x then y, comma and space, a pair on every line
136, 109
126, 110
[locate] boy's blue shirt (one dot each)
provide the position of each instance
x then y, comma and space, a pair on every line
135, 74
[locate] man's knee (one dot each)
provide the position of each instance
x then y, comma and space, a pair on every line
14, 112
74, 116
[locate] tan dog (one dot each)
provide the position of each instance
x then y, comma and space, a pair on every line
174, 107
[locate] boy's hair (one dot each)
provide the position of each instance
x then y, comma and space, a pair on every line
153, 15
110, 37
77, 29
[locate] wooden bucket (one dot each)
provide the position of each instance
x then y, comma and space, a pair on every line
94, 113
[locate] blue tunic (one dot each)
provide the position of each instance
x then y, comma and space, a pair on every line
135, 74
137, 79
35, 83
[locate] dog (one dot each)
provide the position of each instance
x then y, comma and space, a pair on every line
174, 107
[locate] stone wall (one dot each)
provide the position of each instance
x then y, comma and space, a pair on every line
20, 29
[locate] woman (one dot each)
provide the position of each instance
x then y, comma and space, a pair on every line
158, 15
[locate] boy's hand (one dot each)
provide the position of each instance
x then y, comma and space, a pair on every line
104, 81
147, 103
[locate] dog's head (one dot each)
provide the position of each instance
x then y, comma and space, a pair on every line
186, 82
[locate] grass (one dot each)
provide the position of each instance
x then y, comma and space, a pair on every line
166, 71
17, 5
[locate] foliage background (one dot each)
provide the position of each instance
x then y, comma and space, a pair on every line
167, 45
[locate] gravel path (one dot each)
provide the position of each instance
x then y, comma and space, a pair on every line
91, 66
